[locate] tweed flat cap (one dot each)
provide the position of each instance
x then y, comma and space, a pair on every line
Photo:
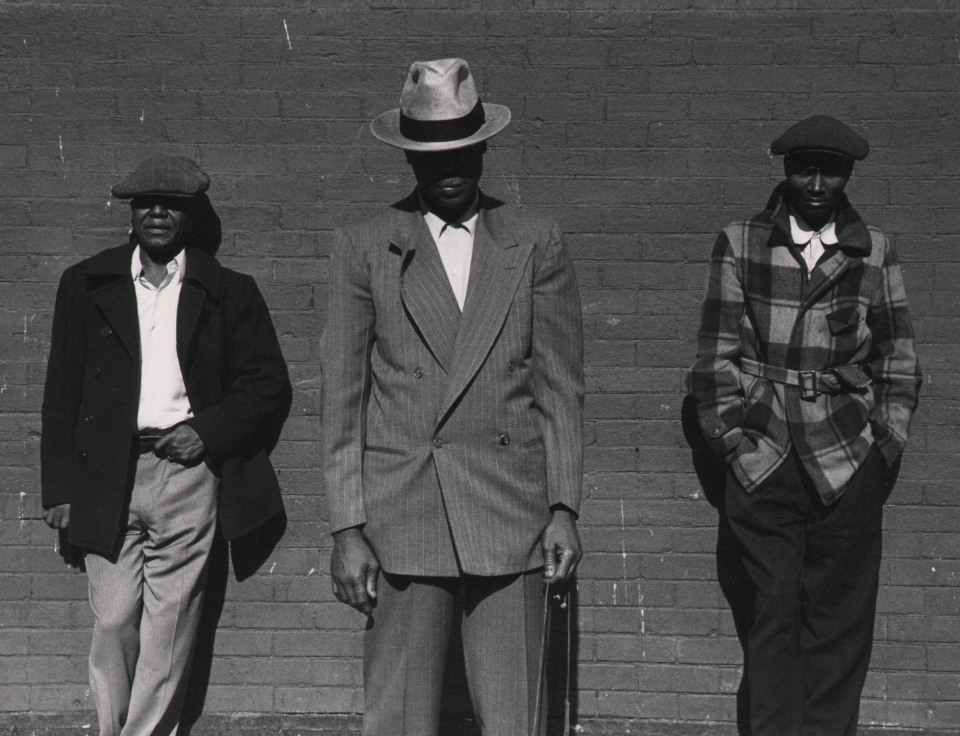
821, 133
173, 176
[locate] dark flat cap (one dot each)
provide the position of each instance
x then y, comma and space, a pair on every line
173, 176
821, 133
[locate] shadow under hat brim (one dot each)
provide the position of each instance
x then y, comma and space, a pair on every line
386, 127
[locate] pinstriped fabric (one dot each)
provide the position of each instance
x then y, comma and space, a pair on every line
851, 310
450, 435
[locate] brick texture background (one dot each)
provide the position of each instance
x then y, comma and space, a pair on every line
643, 128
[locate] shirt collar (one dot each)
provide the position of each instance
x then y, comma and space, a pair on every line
175, 266
802, 233
438, 225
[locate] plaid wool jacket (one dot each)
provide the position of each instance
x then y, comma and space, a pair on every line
763, 305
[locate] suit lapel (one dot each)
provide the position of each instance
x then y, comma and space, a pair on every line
425, 288
496, 268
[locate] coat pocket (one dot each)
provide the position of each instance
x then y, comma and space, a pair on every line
843, 320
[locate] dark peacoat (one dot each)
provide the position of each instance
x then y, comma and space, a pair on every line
233, 370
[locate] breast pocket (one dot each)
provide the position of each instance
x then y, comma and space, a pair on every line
843, 320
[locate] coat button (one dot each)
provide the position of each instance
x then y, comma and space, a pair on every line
418, 372
512, 367
97, 372
88, 420
438, 443
715, 432
82, 457
105, 331
503, 439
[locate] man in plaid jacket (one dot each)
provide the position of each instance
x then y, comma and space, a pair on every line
805, 382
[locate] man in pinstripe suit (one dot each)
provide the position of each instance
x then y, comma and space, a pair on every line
452, 409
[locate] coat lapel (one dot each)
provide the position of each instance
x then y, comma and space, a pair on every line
425, 288
117, 301
111, 288
824, 277
496, 268
201, 282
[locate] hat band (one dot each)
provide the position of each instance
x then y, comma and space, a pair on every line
436, 131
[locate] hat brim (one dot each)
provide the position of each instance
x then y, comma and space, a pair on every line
127, 194
386, 127
828, 151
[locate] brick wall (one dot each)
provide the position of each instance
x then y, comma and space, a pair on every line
642, 132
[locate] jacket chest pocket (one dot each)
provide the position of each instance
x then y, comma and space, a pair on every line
843, 321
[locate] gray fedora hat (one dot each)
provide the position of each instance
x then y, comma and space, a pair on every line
439, 110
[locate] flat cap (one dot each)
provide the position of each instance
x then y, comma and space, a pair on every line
174, 176
821, 133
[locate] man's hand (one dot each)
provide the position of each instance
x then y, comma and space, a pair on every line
57, 517
181, 445
355, 569
561, 546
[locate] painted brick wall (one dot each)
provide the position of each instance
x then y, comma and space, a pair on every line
643, 128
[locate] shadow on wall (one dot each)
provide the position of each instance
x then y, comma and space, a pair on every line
731, 574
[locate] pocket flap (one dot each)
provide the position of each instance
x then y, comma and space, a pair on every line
843, 319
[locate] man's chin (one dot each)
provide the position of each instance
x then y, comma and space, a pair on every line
162, 251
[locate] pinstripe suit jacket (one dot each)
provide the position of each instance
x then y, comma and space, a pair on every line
449, 436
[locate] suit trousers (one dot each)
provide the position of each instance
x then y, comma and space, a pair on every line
405, 649
147, 599
815, 573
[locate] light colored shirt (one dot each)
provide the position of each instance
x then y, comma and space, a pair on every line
455, 243
163, 395
811, 242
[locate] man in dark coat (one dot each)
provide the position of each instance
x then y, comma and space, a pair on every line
805, 383
165, 391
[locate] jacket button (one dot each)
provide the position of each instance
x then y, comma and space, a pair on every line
88, 420
97, 372
418, 372
438, 443
503, 439
82, 457
511, 366
715, 432
105, 331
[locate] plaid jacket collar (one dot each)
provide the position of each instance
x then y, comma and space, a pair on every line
853, 238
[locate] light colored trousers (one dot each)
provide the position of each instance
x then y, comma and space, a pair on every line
405, 649
147, 603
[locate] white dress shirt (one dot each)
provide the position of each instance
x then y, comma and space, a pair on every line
811, 242
163, 395
455, 243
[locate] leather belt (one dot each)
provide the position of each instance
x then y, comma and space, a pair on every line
148, 437
831, 381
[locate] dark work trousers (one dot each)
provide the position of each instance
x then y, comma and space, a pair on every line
815, 570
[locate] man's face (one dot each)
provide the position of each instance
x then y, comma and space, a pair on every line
448, 179
161, 223
815, 184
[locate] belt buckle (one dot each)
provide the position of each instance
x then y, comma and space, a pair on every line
808, 385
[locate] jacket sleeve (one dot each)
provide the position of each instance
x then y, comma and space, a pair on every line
345, 365
714, 379
257, 392
61, 396
892, 362
558, 361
